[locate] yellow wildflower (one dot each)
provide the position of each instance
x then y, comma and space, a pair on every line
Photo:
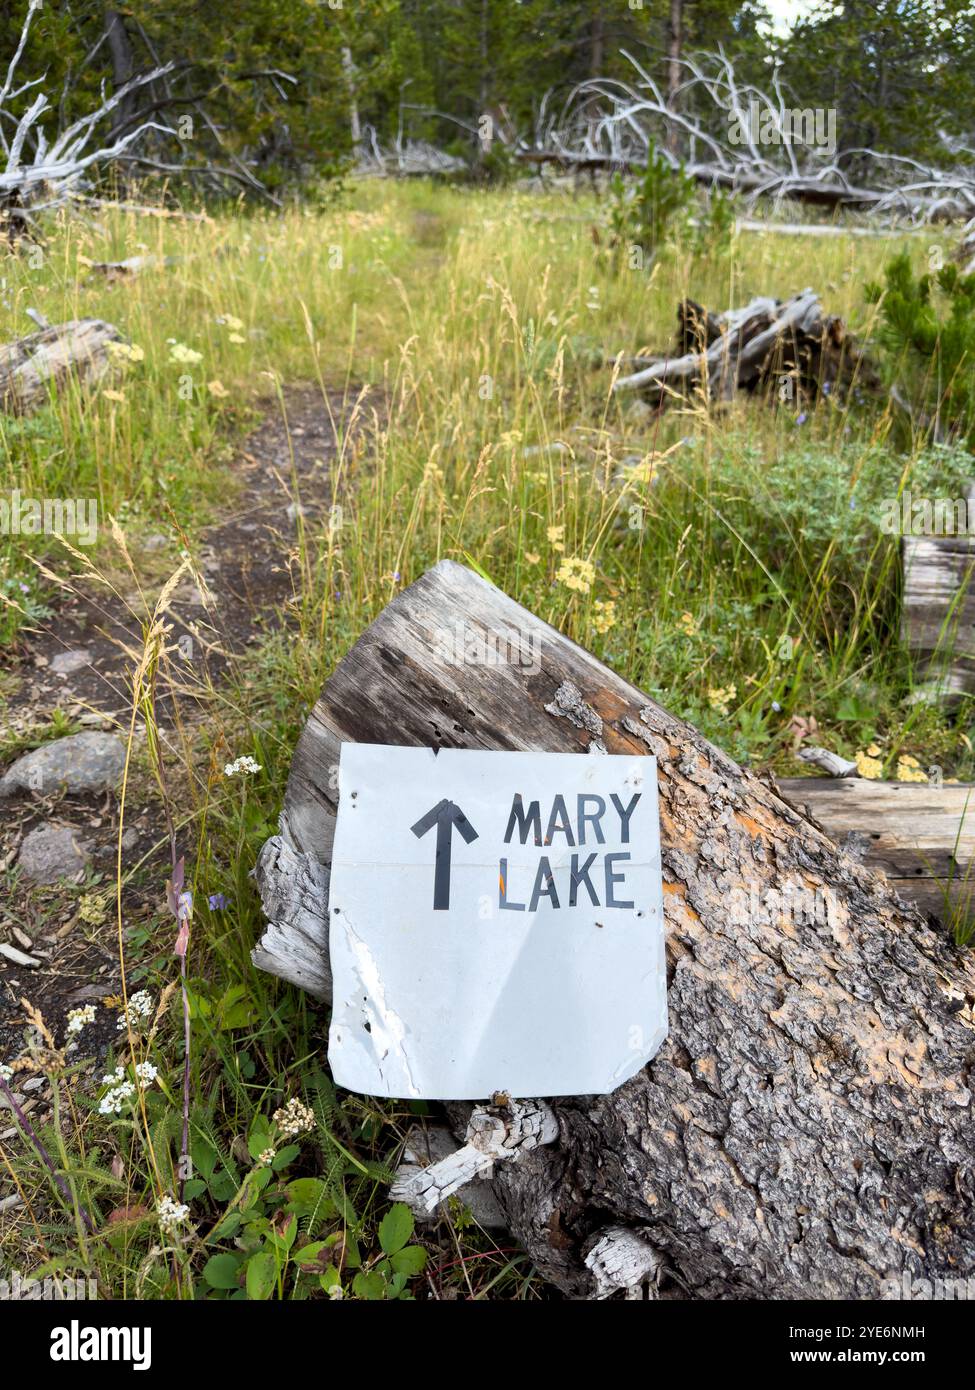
556, 537
126, 352
235, 338
118, 396
91, 909
909, 769
217, 388
721, 696
868, 765
604, 615
576, 574
531, 557
688, 624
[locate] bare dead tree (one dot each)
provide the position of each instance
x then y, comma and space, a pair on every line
732, 134
53, 169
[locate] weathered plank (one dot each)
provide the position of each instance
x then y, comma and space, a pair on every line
805, 1131
921, 835
938, 613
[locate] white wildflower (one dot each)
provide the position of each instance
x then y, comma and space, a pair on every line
80, 1018
120, 1090
6, 1072
241, 765
172, 1215
185, 356
266, 1156
294, 1118
136, 1011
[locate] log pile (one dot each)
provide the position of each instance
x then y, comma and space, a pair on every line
805, 1131
788, 346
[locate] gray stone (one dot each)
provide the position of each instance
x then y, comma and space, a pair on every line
88, 762
66, 662
52, 852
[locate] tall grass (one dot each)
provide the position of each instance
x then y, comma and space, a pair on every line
729, 563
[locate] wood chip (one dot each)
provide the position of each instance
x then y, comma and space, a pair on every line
18, 957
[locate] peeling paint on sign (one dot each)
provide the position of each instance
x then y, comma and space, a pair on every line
496, 923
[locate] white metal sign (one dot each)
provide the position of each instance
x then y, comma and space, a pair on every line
495, 923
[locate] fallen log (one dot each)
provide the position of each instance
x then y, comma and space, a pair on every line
812, 191
33, 367
805, 1130
921, 835
759, 347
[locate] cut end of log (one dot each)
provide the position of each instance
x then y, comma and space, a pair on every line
44, 362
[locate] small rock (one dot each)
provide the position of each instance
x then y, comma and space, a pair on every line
53, 852
34, 1084
66, 662
88, 762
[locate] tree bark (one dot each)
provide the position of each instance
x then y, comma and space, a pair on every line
805, 1131
675, 41
123, 69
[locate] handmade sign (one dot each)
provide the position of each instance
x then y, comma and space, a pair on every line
495, 923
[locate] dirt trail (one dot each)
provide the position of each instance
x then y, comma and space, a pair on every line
243, 558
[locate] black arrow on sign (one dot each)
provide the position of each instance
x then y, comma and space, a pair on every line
445, 816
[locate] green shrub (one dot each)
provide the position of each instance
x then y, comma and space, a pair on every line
929, 324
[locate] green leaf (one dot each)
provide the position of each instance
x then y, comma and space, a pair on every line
285, 1156
309, 1254
194, 1188
309, 1197
396, 1228
370, 1286
204, 1158
261, 1276
236, 1009
409, 1261
285, 1239
228, 1226
221, 1271
222, 1187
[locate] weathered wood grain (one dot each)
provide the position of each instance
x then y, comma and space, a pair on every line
921, 835
938, 613
805, 1131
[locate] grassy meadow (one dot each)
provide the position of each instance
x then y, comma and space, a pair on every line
729, 562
